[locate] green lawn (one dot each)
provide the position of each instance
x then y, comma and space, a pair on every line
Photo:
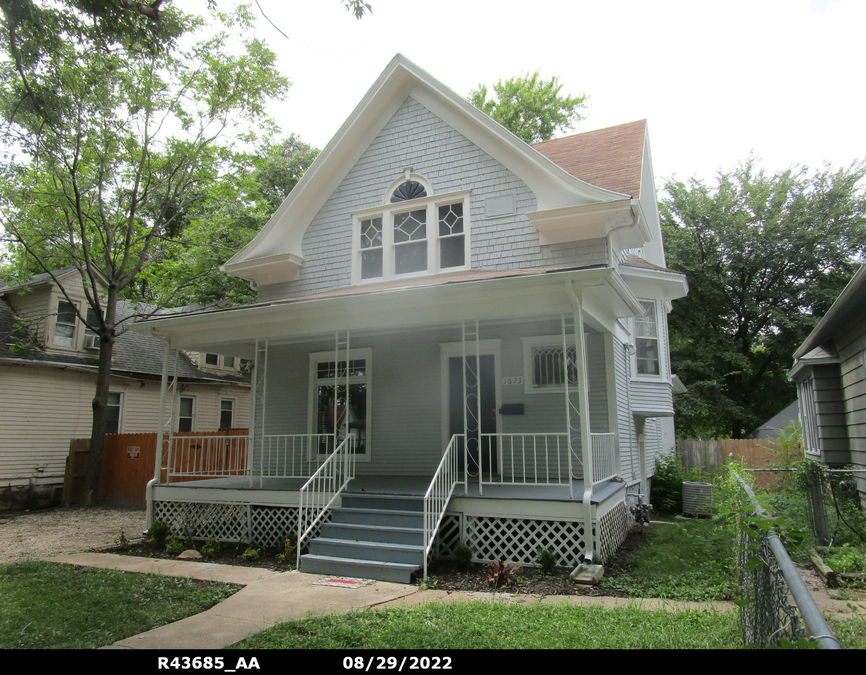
685, 560
51, 605
485, 625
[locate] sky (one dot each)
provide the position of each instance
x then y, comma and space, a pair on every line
717, 81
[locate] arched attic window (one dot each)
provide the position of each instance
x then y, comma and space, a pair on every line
410, 189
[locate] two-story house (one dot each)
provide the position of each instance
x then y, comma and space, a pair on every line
48, 364
458, 336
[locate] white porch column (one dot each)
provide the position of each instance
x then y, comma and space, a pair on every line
163, 387
583, 409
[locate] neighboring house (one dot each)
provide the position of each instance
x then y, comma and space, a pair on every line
770, 428
830, 374
458, 336
48, 370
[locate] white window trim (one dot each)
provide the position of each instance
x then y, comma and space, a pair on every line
120, 413
220, 364
529, 343
76, 330
387, 211
234, 403
661, 339
808, 416
365, 353
194, 410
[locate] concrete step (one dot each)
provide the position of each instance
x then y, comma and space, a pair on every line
367, 550
380, 533
400, 573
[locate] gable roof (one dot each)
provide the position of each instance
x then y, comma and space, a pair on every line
279, 241
610, 158
45, 278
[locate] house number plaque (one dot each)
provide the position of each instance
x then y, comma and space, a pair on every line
512, 380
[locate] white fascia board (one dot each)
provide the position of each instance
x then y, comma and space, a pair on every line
407, 308
266, 270
670, 285
586, 221
552, 185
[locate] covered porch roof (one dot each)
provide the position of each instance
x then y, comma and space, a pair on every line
485, 295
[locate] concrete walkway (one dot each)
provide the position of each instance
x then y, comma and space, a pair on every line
270, 597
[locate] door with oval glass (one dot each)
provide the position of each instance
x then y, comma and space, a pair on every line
480, 382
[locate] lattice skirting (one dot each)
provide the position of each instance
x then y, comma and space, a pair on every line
518, 539
249, 523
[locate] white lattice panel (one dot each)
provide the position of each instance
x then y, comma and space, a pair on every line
516, 539
272, 524
611, 530
448, 536
225, 522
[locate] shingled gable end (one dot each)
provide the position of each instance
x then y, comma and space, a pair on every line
464, 333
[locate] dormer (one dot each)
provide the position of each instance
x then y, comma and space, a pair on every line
52, 315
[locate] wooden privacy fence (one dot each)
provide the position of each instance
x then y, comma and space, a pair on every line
710, 455
128, 464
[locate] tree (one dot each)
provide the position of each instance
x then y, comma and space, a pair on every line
220, 220
111, 135
765, 257
530, 107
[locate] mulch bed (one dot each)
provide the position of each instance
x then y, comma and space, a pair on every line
442, 574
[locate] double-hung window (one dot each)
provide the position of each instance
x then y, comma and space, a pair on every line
423, 235
64, 325
647, 340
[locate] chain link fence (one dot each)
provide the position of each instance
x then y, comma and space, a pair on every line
777, 609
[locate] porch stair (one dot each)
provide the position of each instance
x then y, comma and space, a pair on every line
371, 536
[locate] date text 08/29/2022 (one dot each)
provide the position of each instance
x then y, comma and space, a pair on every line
349, 663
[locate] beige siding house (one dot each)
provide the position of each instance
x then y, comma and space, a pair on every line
48, 378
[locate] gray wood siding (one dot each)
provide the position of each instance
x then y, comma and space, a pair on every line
628, 444
652, 396
416, 137
406, 417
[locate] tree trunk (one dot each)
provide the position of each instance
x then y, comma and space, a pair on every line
93, 471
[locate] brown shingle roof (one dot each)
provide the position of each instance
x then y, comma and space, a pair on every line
610, 158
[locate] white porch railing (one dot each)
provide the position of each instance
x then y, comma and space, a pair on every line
603, 457
323, 487
439, 493
214, 456
289, 455
526, 459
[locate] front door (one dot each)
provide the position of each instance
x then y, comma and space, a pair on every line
482, 456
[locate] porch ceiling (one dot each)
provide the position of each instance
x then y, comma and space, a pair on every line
234, 331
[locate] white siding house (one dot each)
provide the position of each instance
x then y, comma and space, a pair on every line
458, 336
46, 388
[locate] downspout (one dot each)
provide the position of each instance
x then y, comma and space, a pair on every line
159, 436
585, 438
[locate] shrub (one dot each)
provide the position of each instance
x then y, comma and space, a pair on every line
121, 539
546, 560
498, 574
157, 534
463, 556
667, 485
847, 559
287, 557
174, 546
252, 553
210, 548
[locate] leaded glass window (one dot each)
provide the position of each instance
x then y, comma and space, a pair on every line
371, 248
452, 250
548, 369
410, 241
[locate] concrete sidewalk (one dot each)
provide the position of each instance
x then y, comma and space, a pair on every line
270, 597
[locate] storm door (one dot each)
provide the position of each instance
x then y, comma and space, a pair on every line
481, 449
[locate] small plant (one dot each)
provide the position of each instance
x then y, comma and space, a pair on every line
121, 539
546, 560
251, 553
174, 546
667, 484
158, 533
463, 556
287, 557
189, 531
210, 548
498, 574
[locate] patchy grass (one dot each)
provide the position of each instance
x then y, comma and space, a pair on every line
686, 560
55, 606
851, 633
497, 625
